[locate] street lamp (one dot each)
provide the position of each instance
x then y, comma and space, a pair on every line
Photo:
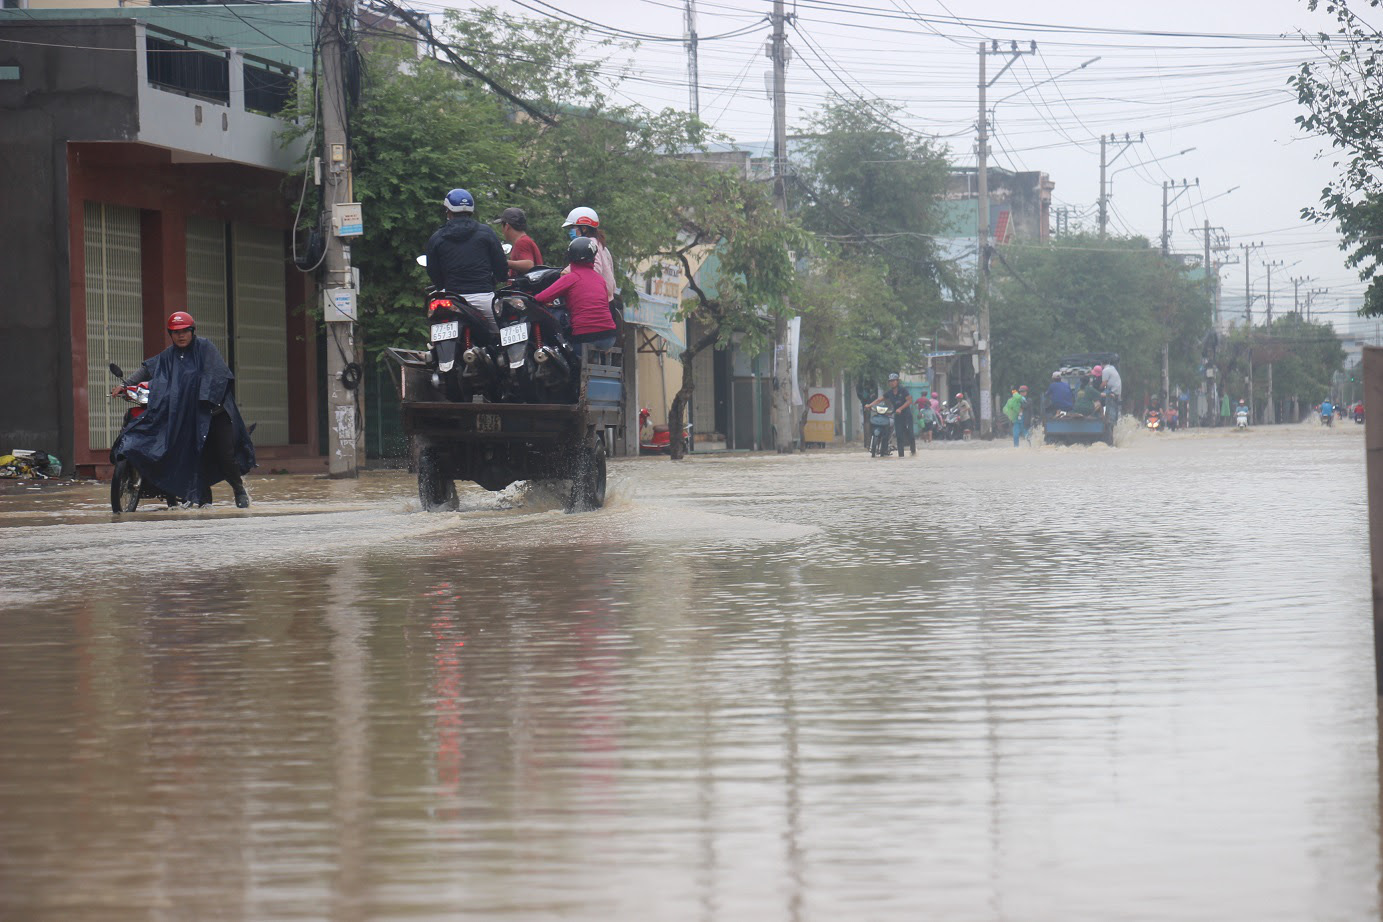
1024, 90
1121, 169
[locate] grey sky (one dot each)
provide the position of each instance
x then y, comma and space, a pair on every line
1225, 96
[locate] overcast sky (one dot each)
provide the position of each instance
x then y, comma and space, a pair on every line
1185, 73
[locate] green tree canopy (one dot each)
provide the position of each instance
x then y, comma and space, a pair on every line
422, 127
1342, 91
1084, 293
878, 285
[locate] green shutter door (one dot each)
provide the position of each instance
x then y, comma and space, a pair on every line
114, 312
206, 279
261, 331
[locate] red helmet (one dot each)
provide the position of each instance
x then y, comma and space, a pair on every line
1097, 369
181, 320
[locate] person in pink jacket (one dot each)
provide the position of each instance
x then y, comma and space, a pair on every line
592, 324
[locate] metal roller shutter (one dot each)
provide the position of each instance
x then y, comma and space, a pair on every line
114, 311
206, 279
261, 331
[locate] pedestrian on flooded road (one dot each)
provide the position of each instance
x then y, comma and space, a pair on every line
1014, 408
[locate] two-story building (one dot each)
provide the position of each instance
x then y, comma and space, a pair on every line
144, 173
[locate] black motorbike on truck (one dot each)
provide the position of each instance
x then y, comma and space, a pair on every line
538, 362
462, 349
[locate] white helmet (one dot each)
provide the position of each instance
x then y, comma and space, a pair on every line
582, 217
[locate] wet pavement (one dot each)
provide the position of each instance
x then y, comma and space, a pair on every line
982, 683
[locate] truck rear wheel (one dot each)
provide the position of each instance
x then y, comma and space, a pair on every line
436, 491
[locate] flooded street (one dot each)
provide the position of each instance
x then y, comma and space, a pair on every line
978, 684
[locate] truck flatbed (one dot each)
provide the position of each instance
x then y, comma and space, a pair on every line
497, 444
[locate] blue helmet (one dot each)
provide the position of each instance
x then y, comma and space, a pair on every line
459, 201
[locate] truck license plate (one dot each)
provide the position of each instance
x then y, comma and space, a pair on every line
517, 333
487, 422
441, 332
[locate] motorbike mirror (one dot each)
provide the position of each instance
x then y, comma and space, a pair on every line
422, 260
115, 370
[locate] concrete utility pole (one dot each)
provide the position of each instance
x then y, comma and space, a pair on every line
1248, 248
784, 431
1127, 142
693, 76
1297, 282
1212, 292
982, 236
1166, 227
1270, 411
1166, 254
344, 425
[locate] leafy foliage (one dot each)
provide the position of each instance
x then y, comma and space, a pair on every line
1343, 96
421, 128
747, 282
878, 286
1089, 294
1305, 356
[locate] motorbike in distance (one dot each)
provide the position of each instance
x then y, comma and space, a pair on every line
1153, 421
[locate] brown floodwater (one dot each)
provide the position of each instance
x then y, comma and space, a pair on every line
979, 684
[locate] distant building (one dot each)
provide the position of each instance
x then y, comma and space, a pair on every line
144, 175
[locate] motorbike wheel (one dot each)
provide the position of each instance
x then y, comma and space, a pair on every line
436, 491
124, 487
588, 484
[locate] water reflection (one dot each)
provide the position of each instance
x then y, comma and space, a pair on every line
982, 685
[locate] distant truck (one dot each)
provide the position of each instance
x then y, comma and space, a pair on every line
1068, 428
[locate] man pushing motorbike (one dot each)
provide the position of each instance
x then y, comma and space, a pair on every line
192, 435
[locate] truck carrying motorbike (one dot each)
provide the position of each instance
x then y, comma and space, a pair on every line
1077, 407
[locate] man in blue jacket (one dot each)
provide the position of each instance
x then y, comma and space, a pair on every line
465, 257
1059, 396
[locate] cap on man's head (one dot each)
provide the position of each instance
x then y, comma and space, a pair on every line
514, 217
893, 376
1056, 376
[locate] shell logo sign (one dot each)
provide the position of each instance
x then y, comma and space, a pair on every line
821, 423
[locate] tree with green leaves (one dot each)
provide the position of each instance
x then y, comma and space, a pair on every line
1342, 91
423, 127
878, 285
744, 287
1084, 293
1305, 356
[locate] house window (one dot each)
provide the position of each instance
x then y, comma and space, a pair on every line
181, 69
9, 71
267, 91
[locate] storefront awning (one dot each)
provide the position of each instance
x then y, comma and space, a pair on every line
655, 313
